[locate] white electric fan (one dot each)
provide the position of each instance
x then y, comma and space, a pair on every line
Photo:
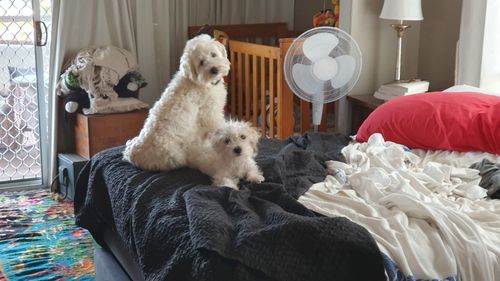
321, 66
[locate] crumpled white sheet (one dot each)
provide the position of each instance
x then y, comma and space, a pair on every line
428, 216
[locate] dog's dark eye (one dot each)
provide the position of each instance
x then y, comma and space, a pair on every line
227, 141
213, 55
243, 137
202, 62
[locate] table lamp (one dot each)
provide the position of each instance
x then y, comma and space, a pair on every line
401, 10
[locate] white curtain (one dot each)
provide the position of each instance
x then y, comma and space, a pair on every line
75, 25
478, 59
154, 30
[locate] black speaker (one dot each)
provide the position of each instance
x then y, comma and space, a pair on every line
70, 166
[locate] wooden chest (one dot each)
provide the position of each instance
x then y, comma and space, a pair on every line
94, 133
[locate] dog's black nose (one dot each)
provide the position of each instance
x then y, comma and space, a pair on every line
237, 150
214, 70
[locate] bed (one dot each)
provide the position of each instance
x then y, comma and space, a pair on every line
428, 225
398, 202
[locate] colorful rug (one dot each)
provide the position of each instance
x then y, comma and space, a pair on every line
39, 240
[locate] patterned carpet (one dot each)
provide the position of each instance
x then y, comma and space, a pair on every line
39, 240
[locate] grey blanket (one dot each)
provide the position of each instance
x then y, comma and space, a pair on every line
490, 177
178, 227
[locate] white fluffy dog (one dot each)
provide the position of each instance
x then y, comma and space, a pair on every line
227, 155
190, 108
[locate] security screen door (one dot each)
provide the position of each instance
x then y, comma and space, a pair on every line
24, 26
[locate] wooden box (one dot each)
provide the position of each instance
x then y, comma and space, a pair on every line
94, 133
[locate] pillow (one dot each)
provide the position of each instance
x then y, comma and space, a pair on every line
438, 121
467, 88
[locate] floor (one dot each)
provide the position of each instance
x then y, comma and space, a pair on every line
39, 240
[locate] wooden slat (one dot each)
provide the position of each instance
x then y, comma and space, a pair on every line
279, 97
240, 85
263, 94
255, 77
255, 49
271, 98
233, 85
285, 95
247, 87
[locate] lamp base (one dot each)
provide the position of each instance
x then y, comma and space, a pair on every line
400, 29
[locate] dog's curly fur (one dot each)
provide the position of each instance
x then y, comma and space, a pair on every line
227, 155
189, 109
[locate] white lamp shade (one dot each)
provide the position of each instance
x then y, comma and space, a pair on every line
402, 10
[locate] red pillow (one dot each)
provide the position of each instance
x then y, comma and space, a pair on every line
438, 121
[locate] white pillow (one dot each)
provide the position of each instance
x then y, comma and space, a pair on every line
467, 88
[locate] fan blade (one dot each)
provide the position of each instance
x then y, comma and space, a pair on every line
346, 67
319, 45
305, 80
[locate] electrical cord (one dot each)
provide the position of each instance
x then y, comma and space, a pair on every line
52, 184
58, 191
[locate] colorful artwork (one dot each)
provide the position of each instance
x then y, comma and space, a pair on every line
40, 241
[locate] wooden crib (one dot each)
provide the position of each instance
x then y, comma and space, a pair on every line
257, 52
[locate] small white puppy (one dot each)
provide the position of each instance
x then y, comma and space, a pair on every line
227, 155
190, 108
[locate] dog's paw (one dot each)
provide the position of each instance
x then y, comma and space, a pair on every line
226, 182
257, 178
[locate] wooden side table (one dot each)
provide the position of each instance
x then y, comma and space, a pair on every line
97, 132
361, 106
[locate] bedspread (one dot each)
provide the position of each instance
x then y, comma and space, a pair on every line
178, 227
430, 219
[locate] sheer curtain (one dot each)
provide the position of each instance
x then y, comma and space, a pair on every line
154, 30
75, 25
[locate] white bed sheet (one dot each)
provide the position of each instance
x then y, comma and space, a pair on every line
424, 209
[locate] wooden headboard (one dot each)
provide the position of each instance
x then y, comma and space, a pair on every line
243, 31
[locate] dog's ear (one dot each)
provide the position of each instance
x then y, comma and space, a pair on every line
253, 136
188, 64
217, 136
222, 48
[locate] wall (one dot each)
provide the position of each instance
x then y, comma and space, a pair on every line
439, 33
304, 11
